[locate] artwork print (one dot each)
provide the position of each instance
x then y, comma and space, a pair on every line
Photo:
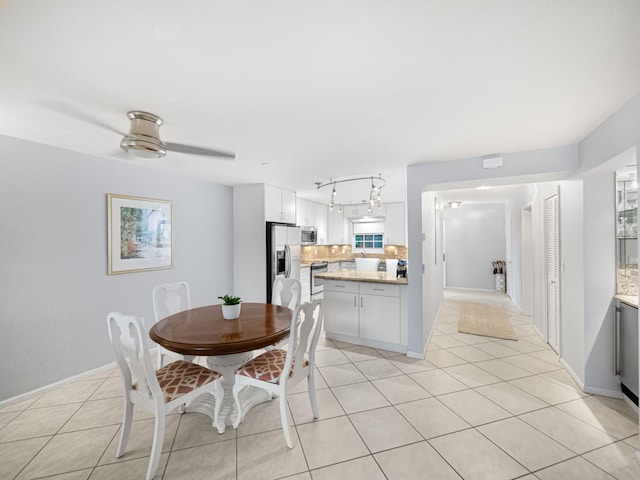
140, 234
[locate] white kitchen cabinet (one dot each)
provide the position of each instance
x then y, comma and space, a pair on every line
336, 234
321, 222
341, 311
362, 210
366, 311
348, 265
305, 280
394, 224
380, 312
280, 205
305, 213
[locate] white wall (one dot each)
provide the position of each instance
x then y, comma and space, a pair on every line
432, 249
475, 237
54, 289
518, 167
572, 305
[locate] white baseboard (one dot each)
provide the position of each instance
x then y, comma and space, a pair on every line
417, 355
572, 374
52, 386
603, 392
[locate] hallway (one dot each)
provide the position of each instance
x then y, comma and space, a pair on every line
476, 408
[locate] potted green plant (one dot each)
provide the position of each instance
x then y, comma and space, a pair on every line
230, 306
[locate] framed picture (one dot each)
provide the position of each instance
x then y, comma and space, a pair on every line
140, 234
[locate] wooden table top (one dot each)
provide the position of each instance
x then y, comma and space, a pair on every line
204, 331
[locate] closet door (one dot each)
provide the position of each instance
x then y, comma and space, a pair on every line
552, 268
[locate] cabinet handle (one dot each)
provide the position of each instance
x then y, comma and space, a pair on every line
340, 286
355, 305
379, 289
361, 302
616, 342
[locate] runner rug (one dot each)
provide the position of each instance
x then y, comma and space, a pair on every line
486, 320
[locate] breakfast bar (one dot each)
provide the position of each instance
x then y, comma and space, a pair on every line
366, 308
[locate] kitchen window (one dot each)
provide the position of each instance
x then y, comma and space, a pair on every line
368, 240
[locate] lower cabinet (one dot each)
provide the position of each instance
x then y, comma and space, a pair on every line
305, 280
341, 307
369, 311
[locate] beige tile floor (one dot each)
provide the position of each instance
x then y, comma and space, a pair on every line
475, 408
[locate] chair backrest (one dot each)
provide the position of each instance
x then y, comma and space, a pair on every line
170, 298
128, 337
306, 322
286, 292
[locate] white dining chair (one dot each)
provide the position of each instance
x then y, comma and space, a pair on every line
286, 292
168, 299
278, 371
158, 391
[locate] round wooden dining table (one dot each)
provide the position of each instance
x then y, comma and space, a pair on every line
227, 344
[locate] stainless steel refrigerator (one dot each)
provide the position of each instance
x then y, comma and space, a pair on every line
283, 253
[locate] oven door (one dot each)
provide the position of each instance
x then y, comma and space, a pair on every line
316, 284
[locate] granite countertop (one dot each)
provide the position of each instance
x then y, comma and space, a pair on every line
308, 263
630, 300
367, 276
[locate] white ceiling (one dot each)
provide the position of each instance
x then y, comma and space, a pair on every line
318, 89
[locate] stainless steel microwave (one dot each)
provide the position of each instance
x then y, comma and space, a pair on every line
308, 235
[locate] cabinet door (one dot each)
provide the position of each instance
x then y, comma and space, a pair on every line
341, 313
394, 224
380, 318
273, 204
288, 206
320, 212
305, 280
335, 225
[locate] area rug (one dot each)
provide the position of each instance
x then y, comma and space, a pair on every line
485, 320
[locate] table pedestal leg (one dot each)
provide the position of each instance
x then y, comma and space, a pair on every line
250, 397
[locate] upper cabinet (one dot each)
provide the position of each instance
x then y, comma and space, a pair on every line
394, 224
313, 214
336, 228
321, 223
280, 205
305, 213
362, 210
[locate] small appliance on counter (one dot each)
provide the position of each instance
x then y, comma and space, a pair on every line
401, 271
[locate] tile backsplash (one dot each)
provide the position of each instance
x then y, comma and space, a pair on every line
344, 252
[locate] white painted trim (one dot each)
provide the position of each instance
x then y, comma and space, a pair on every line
603, 392
572, 374
538, 332
416, 355
52, 386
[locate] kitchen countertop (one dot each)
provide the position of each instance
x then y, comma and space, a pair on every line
332, 260
366, 276
630, 300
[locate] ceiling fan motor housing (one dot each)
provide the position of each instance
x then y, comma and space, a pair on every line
143, 138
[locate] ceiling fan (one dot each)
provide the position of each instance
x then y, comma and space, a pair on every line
143, 139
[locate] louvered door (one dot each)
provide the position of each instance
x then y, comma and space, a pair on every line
552, 267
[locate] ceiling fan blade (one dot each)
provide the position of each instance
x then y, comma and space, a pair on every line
71, 111
190, 149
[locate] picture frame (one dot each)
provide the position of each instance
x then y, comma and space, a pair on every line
140, 234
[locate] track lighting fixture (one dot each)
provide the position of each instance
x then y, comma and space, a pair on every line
375, 192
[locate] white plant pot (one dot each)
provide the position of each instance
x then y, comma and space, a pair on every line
231, 312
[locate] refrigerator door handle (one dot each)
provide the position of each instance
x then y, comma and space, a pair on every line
616, 342
287, 261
